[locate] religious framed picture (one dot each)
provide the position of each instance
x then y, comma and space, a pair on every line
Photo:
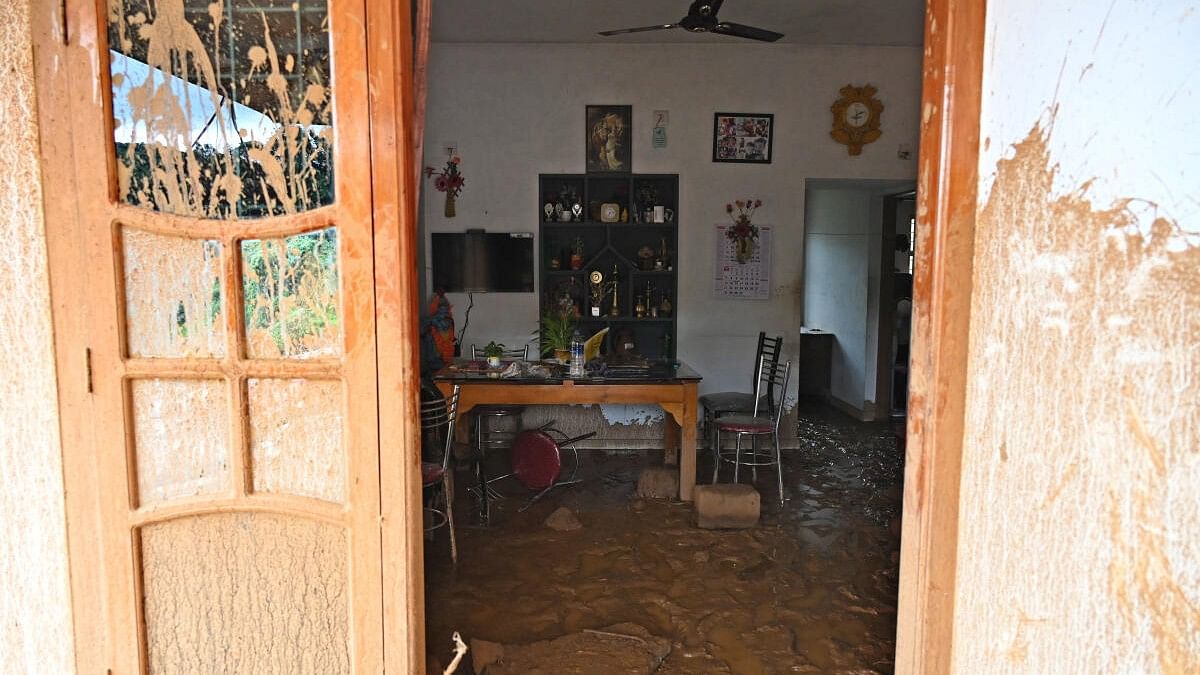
609, 132
742, 137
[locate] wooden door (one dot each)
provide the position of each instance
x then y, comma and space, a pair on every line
220, 267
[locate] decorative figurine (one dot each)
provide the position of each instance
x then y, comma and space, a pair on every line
598, 290
548, 209
615, 309
577, 212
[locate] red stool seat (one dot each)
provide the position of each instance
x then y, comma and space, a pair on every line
748, 424
431, 473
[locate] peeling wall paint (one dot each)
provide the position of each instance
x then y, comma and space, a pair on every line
1079, 541
35, 632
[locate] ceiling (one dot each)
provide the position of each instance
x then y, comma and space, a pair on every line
805, 22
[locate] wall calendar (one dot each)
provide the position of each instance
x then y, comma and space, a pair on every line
750, 280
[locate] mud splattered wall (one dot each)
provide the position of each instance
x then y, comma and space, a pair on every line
1079, 542
36, 633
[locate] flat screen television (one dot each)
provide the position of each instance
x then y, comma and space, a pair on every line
478, 261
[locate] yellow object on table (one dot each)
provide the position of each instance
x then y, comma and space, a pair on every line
591, 348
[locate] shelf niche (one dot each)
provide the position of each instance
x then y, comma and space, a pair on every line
643, 253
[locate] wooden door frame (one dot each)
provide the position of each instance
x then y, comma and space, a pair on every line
947, 187
58, 39
390, 87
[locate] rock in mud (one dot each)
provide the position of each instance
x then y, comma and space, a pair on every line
563, 520
658, 482
623, 648
726, 505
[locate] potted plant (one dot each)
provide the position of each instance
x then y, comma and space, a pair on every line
555, 332
493, 352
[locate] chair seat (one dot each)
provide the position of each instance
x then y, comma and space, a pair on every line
728, 402
747, 424
431, 473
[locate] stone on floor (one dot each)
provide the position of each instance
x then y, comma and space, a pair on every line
658, 482
622, 648
726, 506
563, 520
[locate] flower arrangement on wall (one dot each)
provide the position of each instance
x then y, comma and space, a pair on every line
744, 233
448, 180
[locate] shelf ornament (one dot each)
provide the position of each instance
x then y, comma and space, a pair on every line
743, 234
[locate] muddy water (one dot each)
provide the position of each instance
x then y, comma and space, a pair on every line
812, 589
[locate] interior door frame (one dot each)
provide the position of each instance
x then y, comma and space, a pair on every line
947, 187
60, 37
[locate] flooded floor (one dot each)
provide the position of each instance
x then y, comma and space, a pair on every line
811, 589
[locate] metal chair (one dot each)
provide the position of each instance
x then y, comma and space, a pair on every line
734, 402
490, 435
438, 418
770, 388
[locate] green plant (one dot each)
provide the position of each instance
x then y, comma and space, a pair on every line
493, 349
577, 246
555, 331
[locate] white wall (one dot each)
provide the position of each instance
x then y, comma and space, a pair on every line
835, 283
843, 240
517, 111
1079, 525
35, 605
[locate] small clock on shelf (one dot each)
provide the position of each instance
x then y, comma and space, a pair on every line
856, 117
610, 213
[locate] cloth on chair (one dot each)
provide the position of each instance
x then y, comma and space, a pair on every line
728, 401
431, 473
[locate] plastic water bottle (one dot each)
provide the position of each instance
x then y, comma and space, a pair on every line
577, 355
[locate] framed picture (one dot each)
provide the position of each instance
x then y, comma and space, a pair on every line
742, 137
609, 132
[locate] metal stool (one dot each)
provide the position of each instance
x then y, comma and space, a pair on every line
437, 481
733, 402
490, 436
763, 421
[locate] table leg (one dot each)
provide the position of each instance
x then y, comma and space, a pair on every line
670, 441
687, 442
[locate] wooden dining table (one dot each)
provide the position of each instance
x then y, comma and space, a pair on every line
672, 385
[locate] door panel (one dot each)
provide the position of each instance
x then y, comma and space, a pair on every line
232, 330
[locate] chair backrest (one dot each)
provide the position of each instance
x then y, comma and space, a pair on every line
516, 353
771, 386
770, 348
439, 417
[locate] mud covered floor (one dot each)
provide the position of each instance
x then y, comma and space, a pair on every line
811, 589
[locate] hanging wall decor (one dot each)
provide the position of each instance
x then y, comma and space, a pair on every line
742, 137
856, 117
609, 129
448, 180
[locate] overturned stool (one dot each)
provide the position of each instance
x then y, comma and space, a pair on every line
726, 506
537, 460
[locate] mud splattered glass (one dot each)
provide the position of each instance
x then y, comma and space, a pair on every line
222, 109
290, 292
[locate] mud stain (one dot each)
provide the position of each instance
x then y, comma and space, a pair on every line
812, 589
1097, 310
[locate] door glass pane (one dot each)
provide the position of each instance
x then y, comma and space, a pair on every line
222, 109
296, 437
173, 303
181, 438
245, 593
290, 290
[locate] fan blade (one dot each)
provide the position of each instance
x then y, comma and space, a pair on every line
749, 32
642, 29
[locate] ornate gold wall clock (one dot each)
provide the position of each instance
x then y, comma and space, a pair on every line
856, 117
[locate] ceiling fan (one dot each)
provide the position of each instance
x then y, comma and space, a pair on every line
702, 18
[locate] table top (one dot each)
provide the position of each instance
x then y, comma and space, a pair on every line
464, 371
